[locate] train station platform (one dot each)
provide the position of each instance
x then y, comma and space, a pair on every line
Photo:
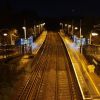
38, 43
89, 81
24, 60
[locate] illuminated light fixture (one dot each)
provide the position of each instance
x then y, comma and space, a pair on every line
65, 24
15, 31
69, 26
76, 28
24, 27
43, 23
60, 23
37, 26
5, 34
94, 34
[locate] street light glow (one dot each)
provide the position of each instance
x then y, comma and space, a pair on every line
76, 28
37, 26
61, 23
43, 23
5, 34
24, 27
94, 34
15, 31
69, 26
65, 24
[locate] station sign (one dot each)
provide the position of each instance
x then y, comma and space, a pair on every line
23, 41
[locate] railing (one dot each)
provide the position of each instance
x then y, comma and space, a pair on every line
92, 51
92, 54
7, 51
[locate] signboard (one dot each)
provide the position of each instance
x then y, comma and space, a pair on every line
30, 39
25, 41
22, 41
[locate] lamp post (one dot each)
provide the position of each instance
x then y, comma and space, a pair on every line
61, 25
65, 28
65, 25
72, 27
76, 28
5, 34
92, 34
69, 26
24, 28
5, 53
13, 34
39, 28
80, 36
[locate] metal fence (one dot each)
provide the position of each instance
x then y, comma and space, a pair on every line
9, 51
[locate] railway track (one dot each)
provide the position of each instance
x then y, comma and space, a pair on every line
51, 77
65, 83
36, 77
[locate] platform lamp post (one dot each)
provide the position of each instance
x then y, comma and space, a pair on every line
13, 33
92, 34
5, 34
61, 25
5, 53
24, 28
72, 27
80, 36
69, 26
76, 28
65, 28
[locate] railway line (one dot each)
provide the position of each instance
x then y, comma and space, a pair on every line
52, 77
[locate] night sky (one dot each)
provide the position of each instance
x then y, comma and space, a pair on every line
54, 8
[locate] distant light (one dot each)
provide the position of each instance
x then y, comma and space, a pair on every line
94, 34
43, 23
15, 31
61, 23
37, 26
5, 34
76, 28
24, 27
69, 26
65, 24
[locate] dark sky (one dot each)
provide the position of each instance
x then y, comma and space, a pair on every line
55, 8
